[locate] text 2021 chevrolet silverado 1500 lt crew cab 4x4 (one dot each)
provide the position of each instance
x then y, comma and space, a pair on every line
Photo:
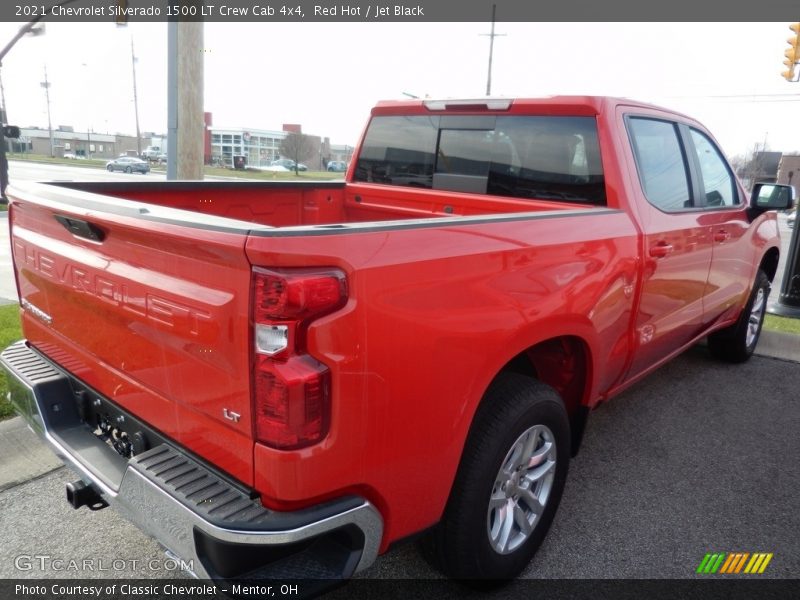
278, 377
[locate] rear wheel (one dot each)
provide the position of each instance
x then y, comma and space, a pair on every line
737, 342
508, 485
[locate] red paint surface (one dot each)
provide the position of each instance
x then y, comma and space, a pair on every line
157, 316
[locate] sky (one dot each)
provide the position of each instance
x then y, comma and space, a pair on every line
327, 76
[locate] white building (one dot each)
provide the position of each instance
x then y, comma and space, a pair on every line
260, 146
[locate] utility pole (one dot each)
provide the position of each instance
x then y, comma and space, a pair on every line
185, 100
4, 117
136, 103
46, 85
491, 36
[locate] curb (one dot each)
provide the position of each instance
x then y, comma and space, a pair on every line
24, 456
778, 344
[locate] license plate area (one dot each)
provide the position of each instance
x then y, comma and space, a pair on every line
126, 435
121, 431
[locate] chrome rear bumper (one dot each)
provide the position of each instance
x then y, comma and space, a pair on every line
195, 512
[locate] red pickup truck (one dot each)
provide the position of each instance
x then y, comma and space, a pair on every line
288, 378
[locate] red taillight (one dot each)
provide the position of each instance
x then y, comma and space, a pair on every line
292, 401
297, 294
291, 390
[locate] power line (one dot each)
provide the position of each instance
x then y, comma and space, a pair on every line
790, 97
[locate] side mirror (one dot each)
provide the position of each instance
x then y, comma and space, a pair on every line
771, 196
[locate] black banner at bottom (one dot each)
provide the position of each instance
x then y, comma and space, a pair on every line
405, 589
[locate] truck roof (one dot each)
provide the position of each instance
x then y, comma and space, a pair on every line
573, 105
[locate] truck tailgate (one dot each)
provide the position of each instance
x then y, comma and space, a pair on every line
150, 311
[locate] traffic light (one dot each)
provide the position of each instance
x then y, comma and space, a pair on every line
792, 53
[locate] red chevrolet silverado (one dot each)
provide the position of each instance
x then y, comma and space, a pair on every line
284, 379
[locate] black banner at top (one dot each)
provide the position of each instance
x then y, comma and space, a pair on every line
248, 11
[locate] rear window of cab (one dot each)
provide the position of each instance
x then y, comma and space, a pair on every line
542, 157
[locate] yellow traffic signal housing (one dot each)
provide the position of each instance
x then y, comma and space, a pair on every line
792, 53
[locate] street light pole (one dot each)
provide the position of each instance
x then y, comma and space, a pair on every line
46, 85
136, 104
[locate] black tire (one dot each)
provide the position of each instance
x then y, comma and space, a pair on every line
737, 342
460, 545
128, 170
110, 168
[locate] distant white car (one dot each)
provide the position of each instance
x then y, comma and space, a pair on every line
69, 155
791, 220
288, 164
273, 168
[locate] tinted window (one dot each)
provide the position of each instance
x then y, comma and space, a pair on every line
660, 163
720, 189
399, 151
547, 157
523, 157
464, 152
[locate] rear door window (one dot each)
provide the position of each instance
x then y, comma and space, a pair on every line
718, 183
660, 163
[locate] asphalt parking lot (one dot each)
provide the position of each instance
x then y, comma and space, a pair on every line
701, 457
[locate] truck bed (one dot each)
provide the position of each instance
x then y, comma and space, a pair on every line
293, 204
141, 286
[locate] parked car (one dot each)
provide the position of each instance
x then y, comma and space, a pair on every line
288, 164
791, 220
152, 153
338, 166
129, 164
70, 155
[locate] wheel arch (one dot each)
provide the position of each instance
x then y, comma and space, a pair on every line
561, 362
565, 364
769, 263
559, 352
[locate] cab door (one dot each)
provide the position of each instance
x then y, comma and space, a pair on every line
677, 241
724, 208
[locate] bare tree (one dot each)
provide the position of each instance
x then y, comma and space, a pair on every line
297, 146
